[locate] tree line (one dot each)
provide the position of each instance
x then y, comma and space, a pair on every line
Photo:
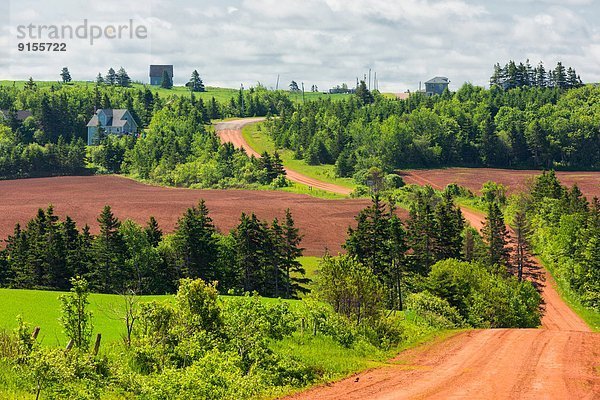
526, 127
564, 228
514, 75
255, 256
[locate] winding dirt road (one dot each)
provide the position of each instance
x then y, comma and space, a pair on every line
231, 131
559, 361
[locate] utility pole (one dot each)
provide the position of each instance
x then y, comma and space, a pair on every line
242, 92
369, 79
375, 81
277, 85
303, 92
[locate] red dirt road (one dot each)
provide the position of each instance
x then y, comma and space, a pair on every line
231, 131
515, 180
559, 361
82, 198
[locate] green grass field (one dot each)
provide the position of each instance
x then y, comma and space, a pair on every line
260, 142
223, 95
42, 308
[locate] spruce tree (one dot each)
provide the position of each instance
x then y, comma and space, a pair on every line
495, 235
122, 77
166, 81
108, 274
99, 79
291, 251
252, 246
521, 229
449, 227
196, 243
65, 75
421, 232
111, 77
153, 232
195, 84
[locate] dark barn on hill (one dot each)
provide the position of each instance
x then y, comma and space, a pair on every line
156, 73
436, 85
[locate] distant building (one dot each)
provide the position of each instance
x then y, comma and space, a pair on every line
110, 122
157, 71
436, 85
21, 115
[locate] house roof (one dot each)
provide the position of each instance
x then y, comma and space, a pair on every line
115, 117
438, 79
22, 115
156, 71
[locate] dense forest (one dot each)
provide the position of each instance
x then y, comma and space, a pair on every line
524, 127
51, 140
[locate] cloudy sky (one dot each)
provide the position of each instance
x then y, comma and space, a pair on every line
323, 42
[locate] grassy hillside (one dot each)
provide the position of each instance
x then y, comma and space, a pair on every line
222, 95
260, 142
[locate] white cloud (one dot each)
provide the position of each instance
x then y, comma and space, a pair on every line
324, 42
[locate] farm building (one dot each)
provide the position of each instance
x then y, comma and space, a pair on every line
108, 121
157, 71
436, 85
20, 115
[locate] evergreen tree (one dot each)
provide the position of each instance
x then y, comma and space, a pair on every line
363, 93
290, 253
450, 224
195, 84
30, 84
111, 77
251, 238
521, 229
99, 79
196, 243
122, 78
495, 235
153, 232
421, 232
108, 273
166, 81
368, 241
560, 76
65, 75
294, 87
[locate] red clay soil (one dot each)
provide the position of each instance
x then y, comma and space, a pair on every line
323, 222
558, 361
231, 131
515, 180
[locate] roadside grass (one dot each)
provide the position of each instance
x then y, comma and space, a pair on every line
299, 188
589, 316
258, 139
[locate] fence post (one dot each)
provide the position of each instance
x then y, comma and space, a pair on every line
97, 345
35, 333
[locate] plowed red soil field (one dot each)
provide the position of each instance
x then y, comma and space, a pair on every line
323, 222
515, 180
